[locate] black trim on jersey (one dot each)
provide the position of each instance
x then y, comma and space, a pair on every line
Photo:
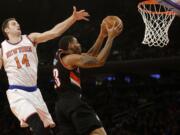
64, 74
15, 43
60, 53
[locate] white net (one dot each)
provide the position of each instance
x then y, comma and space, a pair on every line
157, 19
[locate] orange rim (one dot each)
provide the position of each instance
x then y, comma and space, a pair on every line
153, 2
150, 2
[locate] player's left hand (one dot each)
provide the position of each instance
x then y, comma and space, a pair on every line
80, 15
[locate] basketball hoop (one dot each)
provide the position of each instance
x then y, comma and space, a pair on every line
157, 19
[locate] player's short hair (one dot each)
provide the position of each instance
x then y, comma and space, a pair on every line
64, 42
5, 25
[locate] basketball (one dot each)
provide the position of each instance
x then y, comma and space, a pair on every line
112, 20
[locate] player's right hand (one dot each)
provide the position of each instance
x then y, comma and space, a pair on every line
114, 31
80, 15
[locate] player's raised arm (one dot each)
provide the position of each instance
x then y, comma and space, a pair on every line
85, 60
94, 50
60, 28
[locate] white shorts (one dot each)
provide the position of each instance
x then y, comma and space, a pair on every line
23, 104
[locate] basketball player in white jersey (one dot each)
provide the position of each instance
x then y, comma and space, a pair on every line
19, 57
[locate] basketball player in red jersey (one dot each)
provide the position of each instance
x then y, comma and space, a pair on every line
74, 116
19, 58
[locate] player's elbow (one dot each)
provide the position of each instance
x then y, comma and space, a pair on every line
92, 63
100, 63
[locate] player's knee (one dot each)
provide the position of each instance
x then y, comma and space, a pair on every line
36, 124
98, 131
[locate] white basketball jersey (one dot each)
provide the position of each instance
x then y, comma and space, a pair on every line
20, 62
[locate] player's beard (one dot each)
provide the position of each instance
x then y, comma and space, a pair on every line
78, 50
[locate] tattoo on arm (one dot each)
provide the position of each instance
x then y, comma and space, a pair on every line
88, 61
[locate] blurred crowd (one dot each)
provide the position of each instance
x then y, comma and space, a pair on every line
131, 110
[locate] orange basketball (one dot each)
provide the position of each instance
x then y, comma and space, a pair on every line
112, 20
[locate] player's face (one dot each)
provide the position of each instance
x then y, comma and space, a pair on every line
75, 46
13, 28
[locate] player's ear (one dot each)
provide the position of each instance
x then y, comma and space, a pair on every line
6, 30
69, 45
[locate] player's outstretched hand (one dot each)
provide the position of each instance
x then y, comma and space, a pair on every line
80, 15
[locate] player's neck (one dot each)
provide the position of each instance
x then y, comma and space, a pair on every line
14, 39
